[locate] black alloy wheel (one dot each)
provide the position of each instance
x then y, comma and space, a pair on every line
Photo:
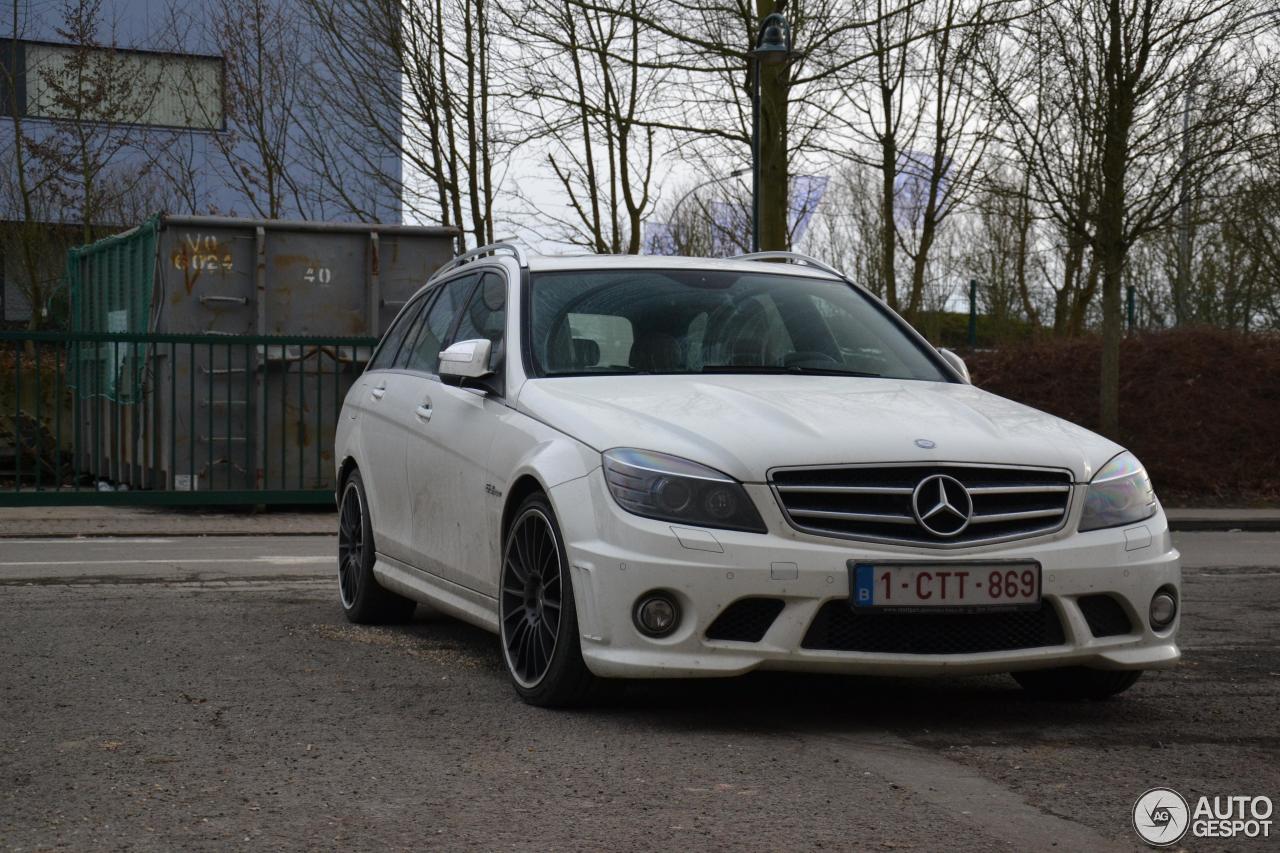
532, 597
538, 624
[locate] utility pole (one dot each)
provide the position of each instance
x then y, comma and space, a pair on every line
1182, 282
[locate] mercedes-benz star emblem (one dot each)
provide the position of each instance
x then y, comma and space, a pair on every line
942, 505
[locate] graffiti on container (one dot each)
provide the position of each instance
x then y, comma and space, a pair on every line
199, 253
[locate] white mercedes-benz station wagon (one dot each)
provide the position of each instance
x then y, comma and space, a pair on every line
634, 467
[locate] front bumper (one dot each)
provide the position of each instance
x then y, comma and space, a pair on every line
615, 557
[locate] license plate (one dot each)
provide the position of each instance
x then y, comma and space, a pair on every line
955, 586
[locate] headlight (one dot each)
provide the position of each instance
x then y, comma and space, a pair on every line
669, 488
1118, 494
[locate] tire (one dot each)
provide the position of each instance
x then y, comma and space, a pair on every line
363, 600
538, 621
1077, 682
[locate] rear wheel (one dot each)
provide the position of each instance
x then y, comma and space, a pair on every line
1077, 682
538, 622
363, 600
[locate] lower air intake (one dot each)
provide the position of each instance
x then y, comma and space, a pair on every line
746, 620
837, 627
1105, 616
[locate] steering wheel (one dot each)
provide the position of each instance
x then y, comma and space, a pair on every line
807, 358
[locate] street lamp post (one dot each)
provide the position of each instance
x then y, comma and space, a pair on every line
736, 173
773, 47
674, 217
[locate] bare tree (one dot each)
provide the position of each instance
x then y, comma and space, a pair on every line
955, 140
416, 80
582, 87
257, 123
846, 229
72, 170
997, 249
24, 187
710, 46
1119, 72
89, 93
912, 111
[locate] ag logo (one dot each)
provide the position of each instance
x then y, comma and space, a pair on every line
1161, 817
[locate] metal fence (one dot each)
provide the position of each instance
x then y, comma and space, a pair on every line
215, 419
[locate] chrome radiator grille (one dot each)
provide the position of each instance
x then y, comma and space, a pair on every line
938, 505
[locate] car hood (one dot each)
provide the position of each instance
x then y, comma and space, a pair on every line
745, 425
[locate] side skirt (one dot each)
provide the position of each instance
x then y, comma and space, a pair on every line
444, 595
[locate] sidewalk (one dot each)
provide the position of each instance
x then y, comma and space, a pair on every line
1224, 519
16, 523
46, 521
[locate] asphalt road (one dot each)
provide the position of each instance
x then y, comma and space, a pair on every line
206, 693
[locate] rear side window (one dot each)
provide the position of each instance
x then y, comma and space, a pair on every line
393, 340
423, 353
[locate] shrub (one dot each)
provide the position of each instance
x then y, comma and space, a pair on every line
1200, 407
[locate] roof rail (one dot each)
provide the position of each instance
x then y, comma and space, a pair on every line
480, 252
793, 257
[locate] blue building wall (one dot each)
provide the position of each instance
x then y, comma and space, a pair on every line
213, 182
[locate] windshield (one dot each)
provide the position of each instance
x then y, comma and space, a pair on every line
598, 322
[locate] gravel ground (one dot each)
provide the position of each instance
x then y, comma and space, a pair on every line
190, 713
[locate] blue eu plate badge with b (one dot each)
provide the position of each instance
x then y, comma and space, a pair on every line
863, 585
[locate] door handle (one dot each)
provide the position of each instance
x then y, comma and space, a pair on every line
424, 411
379, 392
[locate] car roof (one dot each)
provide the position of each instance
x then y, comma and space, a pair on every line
549, 263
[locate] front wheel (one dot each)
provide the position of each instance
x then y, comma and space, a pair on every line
1077, 682
538, 622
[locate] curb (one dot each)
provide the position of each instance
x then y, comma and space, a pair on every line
1202, 525
159, 534
1189, 525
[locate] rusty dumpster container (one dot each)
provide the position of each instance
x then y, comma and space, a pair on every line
225, 346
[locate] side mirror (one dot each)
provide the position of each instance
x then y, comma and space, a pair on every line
466, 359
956, 362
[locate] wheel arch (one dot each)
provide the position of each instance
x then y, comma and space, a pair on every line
344, 471
517, 492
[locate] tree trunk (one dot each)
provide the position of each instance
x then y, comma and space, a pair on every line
888, 231
1083, 298
1023, 244
919, 264
1064, 304
1112, 331
1109, 241
774, 177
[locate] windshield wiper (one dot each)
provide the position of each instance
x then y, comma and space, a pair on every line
794, 370
597, 370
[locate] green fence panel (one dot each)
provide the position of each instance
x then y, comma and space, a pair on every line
214, 419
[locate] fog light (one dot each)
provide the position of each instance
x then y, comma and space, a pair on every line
656, 614
1163, 608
